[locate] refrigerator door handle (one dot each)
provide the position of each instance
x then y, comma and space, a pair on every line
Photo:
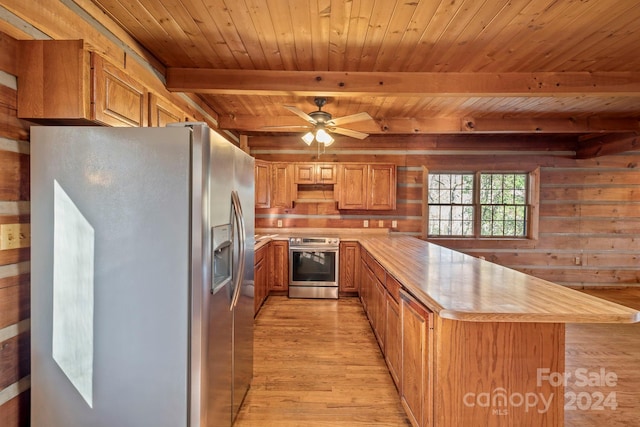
239, 219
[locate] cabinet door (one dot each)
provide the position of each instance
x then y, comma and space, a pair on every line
393, 340
349, 266
279, 271
281, 185
263, 184
118, 100
381, 187
353, 186
380, 318
364, 277
304, 173
260, 278
415, 378
163, 112
326, 174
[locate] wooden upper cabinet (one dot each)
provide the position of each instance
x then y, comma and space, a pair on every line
63, 82
315, 173
353, 186
281, 185
262, 184
54, 80
367, 186
163, 112
381, 187
326, 173
304, 173
118, 99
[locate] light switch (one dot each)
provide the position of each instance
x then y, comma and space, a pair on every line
14, 236
394, 224
365, 223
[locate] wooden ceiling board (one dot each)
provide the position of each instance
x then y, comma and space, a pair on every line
436, 36
265, 32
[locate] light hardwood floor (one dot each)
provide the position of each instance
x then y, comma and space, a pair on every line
614, 348
317, 364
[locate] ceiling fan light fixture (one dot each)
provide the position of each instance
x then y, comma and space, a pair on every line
308, 138
323, 137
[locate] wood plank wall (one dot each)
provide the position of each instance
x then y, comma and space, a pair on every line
589, 209
14, 263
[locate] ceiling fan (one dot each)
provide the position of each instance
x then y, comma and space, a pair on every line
322, 123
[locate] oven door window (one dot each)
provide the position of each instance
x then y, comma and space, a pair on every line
313, 266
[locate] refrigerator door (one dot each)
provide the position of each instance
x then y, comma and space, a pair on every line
217, 330
110, 272
243, 312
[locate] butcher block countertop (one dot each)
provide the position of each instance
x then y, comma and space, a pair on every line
460, 287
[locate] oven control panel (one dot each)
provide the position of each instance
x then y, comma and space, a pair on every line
314, 241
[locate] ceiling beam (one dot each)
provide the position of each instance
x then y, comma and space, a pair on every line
608, 144
442, 125
406, 84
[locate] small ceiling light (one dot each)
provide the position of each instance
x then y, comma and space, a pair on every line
323, 137
308, 138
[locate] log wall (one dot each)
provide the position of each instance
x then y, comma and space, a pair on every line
589, 225
14, 263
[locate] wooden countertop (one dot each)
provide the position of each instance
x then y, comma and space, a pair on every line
461, 287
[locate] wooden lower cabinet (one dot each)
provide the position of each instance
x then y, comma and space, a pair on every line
349, 265
473, 360
417, 343
279, 265
260, 278
393, 340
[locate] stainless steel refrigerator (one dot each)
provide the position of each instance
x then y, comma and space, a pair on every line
141, 277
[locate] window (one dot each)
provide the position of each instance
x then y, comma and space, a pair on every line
451, 208
479, 204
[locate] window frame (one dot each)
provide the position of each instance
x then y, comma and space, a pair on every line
532, 206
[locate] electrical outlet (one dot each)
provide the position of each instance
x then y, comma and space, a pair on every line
365, 223
279, 223
578, 261
14, 236
380, 223
394, 224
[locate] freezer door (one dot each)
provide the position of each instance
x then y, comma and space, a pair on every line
110, 276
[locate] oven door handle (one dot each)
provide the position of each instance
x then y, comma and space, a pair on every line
312, 249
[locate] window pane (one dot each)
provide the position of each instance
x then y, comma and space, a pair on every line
450, 204
504, 204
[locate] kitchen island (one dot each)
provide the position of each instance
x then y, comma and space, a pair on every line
469, 342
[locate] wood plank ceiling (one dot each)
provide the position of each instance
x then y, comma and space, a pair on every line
450, 66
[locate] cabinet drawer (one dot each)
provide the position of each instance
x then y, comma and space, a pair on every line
393, 287
260, 255
379, 271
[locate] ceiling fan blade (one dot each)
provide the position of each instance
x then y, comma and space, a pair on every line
349, 132
350, 119
299, 112
287, 127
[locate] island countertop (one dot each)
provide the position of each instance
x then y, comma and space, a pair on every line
461, 287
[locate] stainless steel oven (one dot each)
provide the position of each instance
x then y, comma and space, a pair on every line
313, 267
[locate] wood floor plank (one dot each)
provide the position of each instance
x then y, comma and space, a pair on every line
316, 363
614, 348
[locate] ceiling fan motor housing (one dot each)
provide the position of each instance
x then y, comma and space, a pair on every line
321, 117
